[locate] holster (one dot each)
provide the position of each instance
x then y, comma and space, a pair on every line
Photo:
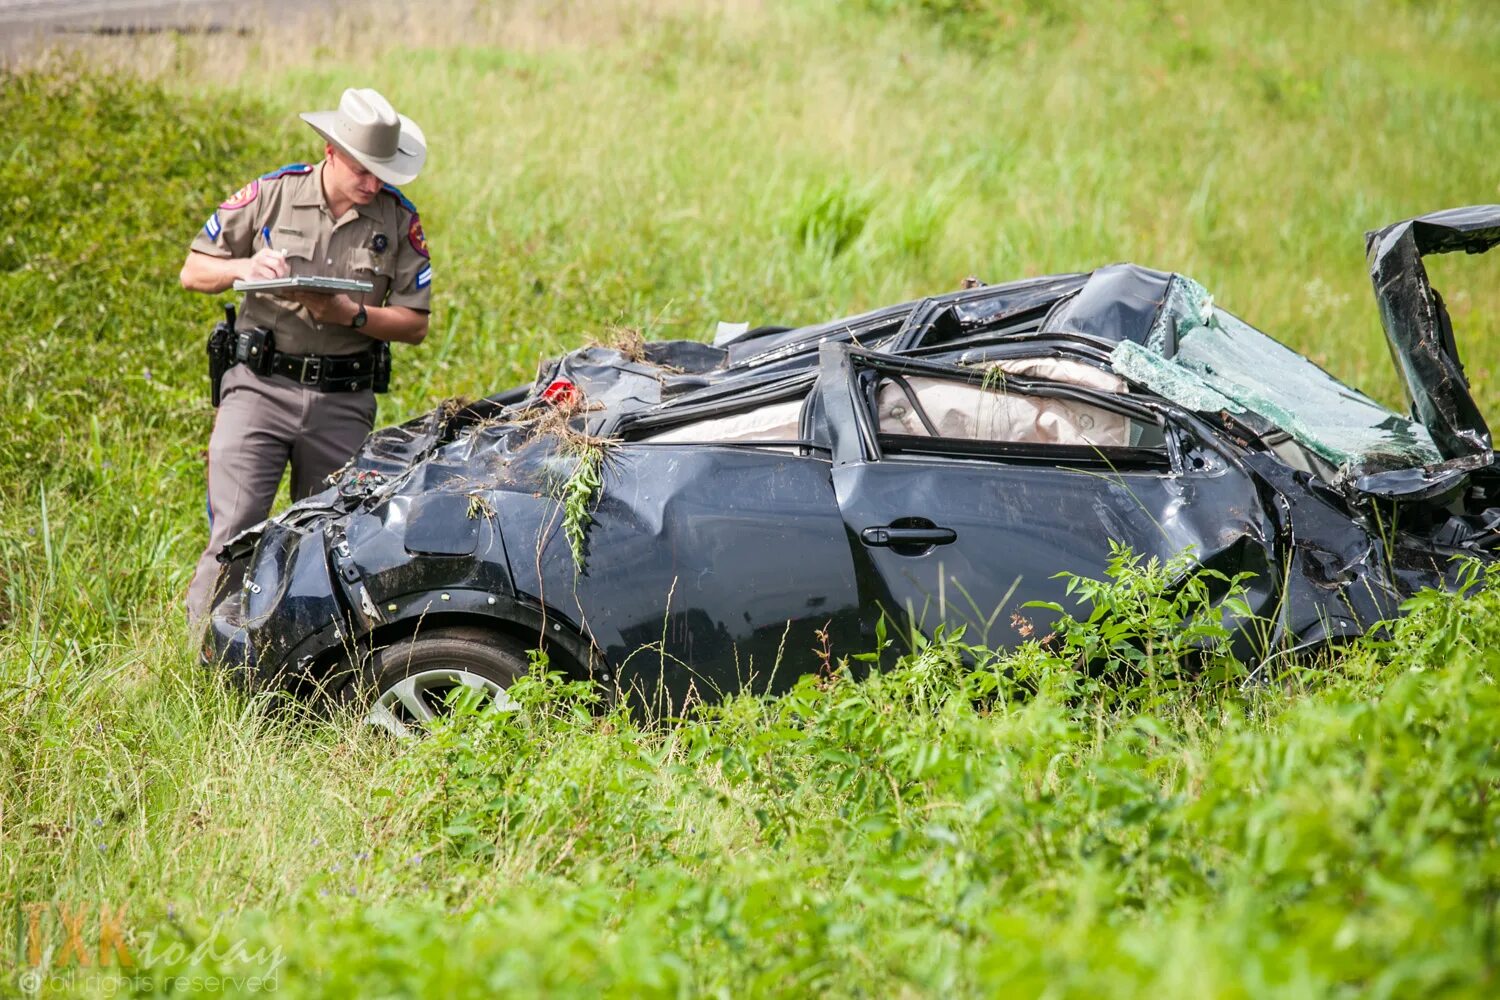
220, 352
382, 379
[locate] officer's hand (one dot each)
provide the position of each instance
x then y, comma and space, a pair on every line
267, 263
338, 309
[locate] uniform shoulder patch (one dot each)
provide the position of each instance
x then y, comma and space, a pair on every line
416, 237
243, 196
290, 170
395, 192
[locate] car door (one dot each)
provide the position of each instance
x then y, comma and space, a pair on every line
964, 495
714, 563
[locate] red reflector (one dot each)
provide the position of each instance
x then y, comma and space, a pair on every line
561, 393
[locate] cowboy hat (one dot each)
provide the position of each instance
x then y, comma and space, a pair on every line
365, 126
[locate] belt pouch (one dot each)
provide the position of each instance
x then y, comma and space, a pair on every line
254, 347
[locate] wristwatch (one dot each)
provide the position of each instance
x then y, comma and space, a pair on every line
358, 321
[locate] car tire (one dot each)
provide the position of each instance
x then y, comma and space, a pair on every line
404, 686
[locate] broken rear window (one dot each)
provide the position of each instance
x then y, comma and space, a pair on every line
1206, 359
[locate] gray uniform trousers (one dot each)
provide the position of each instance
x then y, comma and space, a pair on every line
264, 422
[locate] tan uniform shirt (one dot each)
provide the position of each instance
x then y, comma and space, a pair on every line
381, 242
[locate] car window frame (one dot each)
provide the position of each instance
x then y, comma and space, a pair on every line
667, 416
849, 377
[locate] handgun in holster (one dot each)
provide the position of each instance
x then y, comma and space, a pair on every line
380, 381
220, 352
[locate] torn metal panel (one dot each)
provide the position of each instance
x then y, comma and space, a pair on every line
1417, 326
1118, 303
992, 305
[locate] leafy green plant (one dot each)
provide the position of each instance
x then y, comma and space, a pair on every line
580, 496
480, 506
1153, 623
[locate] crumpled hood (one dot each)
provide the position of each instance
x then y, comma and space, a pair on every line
1417, 327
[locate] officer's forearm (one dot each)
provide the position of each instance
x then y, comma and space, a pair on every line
203, 272
395, 323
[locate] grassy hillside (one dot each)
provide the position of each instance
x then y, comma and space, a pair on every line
662, 165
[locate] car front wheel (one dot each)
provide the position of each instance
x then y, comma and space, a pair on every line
408, 684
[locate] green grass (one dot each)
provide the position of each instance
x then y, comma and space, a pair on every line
939, 830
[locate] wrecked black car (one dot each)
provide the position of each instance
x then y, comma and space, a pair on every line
680, 519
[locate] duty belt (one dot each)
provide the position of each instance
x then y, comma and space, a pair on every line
328, 372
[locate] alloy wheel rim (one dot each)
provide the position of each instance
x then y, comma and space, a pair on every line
413, 702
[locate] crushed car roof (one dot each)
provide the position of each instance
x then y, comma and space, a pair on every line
1160, 330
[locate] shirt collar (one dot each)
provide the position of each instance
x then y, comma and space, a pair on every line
312, 196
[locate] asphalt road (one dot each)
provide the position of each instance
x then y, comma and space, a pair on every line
26, 25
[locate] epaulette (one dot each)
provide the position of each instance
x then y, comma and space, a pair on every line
403, 199
290, 170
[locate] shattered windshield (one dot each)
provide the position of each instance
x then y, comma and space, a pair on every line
1206, 359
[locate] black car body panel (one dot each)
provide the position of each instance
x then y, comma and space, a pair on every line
1417, 325
937, 463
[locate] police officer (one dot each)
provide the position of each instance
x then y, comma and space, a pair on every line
313, 406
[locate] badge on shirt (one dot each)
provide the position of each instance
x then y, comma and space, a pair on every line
416, 237
243, 196
378, 243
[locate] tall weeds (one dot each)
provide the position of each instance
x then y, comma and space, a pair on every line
964, 822
1115, 813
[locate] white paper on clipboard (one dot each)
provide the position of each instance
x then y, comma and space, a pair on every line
304, 283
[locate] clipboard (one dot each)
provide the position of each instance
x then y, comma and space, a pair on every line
305, 283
